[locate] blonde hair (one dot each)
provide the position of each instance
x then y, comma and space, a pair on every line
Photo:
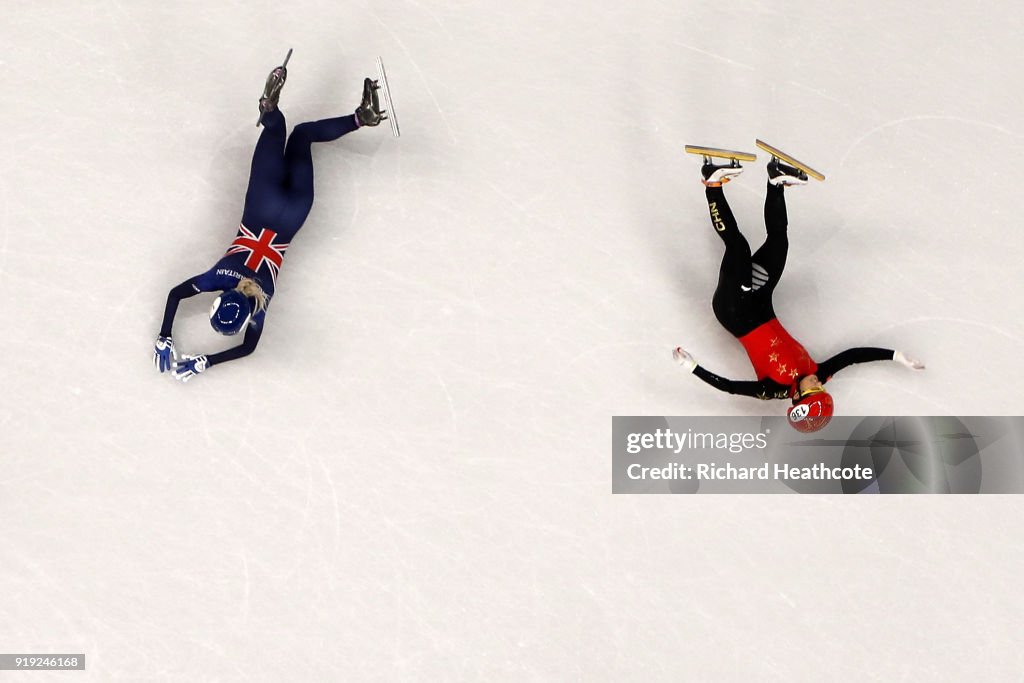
251, 289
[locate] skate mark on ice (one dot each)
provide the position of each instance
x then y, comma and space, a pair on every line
471, 304
717, 56
451, 403
336, 536
520, 205
590, 350
419, 72
5, 220
71, 38
432, 16
926, 117
894, 387
822, 94
958, 321
246, 588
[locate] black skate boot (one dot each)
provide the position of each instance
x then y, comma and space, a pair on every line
272, 90
716, 176
369, 112
786, 176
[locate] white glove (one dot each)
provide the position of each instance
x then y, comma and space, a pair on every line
189, 366
684, 358
907, 362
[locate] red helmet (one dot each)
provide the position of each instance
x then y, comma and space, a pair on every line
812, 411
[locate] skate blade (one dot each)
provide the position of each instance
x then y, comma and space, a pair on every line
782, 156
720, 153
389, 104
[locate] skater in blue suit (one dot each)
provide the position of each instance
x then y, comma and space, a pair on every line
278, 199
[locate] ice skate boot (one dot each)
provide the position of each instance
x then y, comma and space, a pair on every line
786, 176
272, 89
716, 175
369, 112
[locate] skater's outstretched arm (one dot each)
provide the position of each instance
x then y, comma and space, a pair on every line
763, 389
186, 289
248, 345
164, 353
863, 354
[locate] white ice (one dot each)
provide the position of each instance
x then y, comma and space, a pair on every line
410, 479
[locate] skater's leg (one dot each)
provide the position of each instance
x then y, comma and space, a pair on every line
265, 196
775, 218
737, 250
732, 300
268, 164
326, 130
298, 159
770, 258
298, 154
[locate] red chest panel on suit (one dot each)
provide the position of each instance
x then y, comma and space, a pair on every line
776, 355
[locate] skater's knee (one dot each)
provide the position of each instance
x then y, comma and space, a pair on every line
736, 246
272, 119
778, 238
302, 131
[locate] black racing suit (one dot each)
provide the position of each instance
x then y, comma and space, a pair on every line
743, 299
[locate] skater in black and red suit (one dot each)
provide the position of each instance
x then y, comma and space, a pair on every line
743, 305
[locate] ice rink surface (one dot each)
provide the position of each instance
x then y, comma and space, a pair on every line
410, 479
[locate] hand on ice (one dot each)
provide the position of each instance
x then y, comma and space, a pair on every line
164, 354
907, 362
684, 358
189, 366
